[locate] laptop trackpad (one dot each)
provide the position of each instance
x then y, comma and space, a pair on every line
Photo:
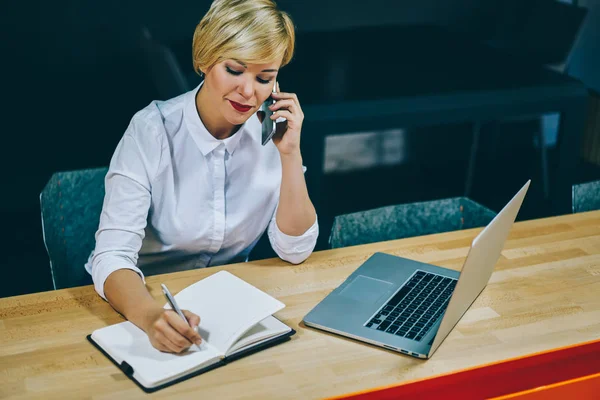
366, 290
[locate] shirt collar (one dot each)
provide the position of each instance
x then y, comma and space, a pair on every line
203, 138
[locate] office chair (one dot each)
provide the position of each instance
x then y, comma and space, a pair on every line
408, 220
163, 68
71, 203
538, 136
586, 196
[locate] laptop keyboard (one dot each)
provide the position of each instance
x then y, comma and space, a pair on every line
413, 310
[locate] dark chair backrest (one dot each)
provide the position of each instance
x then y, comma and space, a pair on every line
586, 196
71, 203
408, 220
163, 67
584, 59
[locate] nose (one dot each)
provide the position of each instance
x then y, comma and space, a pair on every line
246, 88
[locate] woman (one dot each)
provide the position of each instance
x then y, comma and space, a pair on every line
190, 184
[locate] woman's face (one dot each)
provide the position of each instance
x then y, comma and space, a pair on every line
238, 89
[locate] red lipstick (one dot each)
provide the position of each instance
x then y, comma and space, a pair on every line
240, 107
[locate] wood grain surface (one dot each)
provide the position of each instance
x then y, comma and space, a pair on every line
544, 293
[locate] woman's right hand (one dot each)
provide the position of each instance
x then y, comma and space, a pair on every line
169, 333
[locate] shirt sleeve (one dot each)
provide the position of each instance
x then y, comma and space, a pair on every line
126, 204
294, 249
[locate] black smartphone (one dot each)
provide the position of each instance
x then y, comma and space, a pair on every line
269, 127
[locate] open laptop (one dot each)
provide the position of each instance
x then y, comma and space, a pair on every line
409, 306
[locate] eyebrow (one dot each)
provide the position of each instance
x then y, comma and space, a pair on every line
245, 66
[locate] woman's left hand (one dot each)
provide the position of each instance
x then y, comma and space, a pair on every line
287, 136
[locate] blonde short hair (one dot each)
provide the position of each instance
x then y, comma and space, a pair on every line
251, 31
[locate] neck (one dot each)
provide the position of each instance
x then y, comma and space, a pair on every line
209, 115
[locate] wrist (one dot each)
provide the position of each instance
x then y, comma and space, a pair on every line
146, 314
292, 157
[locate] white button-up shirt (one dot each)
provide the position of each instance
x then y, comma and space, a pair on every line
177, 198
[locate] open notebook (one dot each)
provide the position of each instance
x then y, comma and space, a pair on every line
236, 320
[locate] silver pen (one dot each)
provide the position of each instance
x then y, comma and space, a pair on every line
175, 307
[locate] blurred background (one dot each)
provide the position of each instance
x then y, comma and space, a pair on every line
75, 72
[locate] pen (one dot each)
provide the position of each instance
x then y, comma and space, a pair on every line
174, 306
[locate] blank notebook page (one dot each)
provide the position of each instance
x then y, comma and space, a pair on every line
227, 306
125, 341
265, 329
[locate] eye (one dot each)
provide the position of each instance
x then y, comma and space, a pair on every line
232, 72
263, 81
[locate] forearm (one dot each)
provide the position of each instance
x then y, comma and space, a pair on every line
126, 293
296, 212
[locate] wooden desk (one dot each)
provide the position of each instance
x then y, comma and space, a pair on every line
543, 294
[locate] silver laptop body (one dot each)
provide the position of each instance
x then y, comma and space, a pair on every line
408, 306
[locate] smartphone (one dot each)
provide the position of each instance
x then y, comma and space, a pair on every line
269, 127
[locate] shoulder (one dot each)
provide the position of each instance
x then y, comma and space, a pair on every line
151, 126
155, 120
145, 141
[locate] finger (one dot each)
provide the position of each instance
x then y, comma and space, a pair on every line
166, 343
175, 330
194, 321
178, 341
182, 330
283, 95
282, 113
283, 104
163, 348
277, 84
260, 115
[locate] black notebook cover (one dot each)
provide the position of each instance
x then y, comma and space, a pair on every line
128, 370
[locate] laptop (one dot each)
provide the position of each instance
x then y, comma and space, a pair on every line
408, 306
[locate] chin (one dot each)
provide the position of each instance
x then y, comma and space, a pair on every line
238, 119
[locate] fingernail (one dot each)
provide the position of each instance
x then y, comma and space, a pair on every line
198, 341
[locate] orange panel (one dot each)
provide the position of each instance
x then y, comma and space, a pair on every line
584, 388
